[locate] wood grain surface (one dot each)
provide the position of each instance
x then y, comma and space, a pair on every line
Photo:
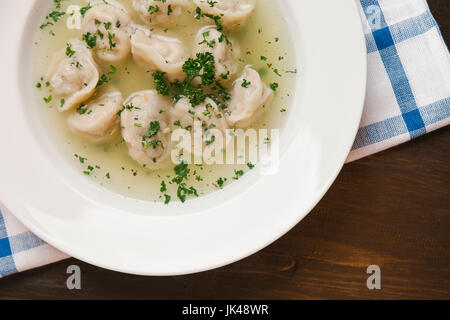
391, 209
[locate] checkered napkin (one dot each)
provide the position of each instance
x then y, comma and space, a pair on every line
408, 95
20, 249
408, 88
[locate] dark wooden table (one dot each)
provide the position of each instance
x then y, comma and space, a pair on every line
391, 209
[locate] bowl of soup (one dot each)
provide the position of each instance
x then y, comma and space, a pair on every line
171, 137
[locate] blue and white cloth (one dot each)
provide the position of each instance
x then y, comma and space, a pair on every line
20, 249
408, 88
408, 95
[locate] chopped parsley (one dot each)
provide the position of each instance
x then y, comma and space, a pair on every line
182, 174
151, 132
85, 9
274, 86
161, 86
103, 79
245, 83
48, 99
163, 187
82, 109
221, 182
69, 51
153, 9
90, 39
238, 174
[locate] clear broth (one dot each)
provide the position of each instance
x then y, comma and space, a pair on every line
265, 34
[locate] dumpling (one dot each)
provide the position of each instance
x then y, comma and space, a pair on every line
233, 12
157, 12
73, 75
159, 53
97, 119
248, 97
109, 26
145, 128
210, 119
209, 39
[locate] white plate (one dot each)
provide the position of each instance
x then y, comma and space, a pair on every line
92, 224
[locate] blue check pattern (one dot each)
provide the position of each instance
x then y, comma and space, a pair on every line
13, 245
7, 265
10, 246
408, 96
20, 249
400, 35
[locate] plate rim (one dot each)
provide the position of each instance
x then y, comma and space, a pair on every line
43, 235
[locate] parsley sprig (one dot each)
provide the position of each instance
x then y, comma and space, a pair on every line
199, 84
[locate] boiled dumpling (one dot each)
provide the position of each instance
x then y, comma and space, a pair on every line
225, 53
248, 97
97, 119
159, 53
157, 12
209, 117
109, 25
233, 13
145, 128
73, 75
